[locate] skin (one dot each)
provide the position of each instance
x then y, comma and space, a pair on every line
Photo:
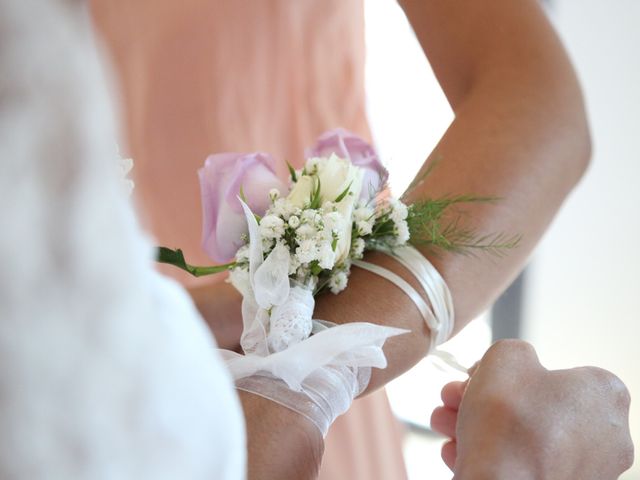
513, 419
520, 133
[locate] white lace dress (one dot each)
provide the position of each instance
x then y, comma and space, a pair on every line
106, 369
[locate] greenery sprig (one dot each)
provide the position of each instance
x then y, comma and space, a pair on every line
429, 227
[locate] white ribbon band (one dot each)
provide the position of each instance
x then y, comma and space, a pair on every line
434, 286
438, 317
403, 285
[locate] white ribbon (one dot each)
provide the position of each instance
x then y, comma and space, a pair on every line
351, 344
277, 319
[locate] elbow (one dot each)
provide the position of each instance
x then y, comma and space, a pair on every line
567, 105
580, 144
561, 113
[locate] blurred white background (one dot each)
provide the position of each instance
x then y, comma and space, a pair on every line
582, 290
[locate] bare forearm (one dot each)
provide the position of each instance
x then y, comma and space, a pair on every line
520, 133
220, 305
280, 442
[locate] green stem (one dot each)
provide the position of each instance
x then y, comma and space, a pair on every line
176, 258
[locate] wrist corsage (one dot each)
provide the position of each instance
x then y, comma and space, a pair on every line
283, 243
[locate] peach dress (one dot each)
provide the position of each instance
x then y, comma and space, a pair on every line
204, 76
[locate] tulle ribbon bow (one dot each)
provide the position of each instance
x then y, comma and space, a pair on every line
280, 338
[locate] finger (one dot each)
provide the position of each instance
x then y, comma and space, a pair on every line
452, 394
449, 453
510, 353
443, 420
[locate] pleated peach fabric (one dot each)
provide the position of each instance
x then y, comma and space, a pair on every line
204, 76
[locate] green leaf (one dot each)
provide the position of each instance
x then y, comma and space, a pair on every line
343, 194
176, 258
315, 268
292, 172
315, 196
334, 242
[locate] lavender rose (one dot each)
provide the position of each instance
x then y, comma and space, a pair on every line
355, 149
221, 179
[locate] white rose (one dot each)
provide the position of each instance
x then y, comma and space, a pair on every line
335, 175
300, 194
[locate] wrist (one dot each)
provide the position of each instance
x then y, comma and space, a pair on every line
371, 298
280, 442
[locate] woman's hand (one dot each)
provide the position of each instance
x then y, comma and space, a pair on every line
514, 419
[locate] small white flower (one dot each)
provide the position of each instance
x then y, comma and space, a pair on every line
312, 165
294, 264
304, 277
283, 208
326, 256
328, 206
305, 231
325, 235
363, 213
242, 255
274, 194
294, 221
399, 210
332, 221
357, 248
272, 227
267, 244
364, 227
311, 217
307, 251
402, 233
338, 281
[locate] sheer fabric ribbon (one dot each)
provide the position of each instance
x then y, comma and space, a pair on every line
313, 367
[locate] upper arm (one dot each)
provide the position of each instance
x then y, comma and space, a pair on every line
506, 43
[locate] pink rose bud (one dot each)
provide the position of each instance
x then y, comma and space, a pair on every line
355, 149
221, 179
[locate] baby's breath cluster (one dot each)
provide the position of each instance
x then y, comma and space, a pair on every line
383, 227
315, 232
